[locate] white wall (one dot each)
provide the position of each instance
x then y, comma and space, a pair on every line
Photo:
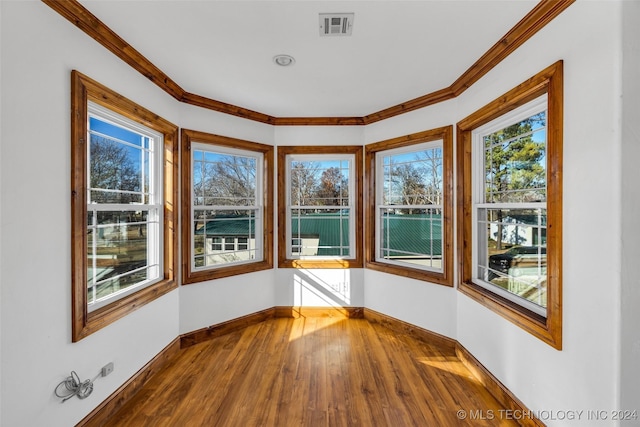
215, 301
430, 306
39, 50
1, 85
584, 376
200, 119
630, 249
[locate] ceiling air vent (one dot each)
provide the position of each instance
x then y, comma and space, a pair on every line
336, 24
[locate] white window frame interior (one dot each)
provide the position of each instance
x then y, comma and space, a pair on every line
155, 205
258, 206
380, 207
523, 112
350, 158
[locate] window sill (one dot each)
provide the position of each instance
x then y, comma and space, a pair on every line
118, 309
190, 277
545, 329
321, 263
412, 273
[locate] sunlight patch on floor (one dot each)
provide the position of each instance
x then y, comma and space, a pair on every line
449, 364
304, 325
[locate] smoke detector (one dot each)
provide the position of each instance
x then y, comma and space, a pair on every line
336, 24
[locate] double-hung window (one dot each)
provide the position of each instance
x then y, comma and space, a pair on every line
321, 209
510, 216
123, 196
124, 206
227, 209
409, 230
510, 205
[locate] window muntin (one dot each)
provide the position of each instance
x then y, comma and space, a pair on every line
226, 206
510, 212
124, 207
409, 204
320, 208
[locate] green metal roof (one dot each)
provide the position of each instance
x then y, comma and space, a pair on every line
229, 226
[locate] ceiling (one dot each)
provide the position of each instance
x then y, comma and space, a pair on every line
224, 50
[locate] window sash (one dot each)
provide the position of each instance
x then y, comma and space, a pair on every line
431, 260
153, 207
515, 284
227, 257
481, 206
344, 211
435, 263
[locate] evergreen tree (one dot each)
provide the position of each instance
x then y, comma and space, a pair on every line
515, 170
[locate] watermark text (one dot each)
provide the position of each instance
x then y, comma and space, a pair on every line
551, 415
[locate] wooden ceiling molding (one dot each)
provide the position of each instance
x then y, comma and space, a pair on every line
534, 21
212, 104
319, 121
543, 13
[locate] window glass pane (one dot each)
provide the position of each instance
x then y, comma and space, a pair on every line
198, 181
512, 251
320, 183
217, 232
117, 247
111, 285
198, 239
147, 193
118, 164
120, 133
410, 221
515, 162
296, 245
227, 184
413, 178
412, 238
224, 179
320, 232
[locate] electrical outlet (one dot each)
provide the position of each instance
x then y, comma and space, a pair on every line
107, 369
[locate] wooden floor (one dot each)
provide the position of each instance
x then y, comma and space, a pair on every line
312, 372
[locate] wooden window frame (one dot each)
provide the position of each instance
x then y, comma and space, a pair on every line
283, 260
83, 90
371, 232
188, 275
549, 82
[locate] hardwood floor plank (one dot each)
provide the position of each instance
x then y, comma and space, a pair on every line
307, 371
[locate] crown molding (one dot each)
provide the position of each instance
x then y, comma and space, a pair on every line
543, 13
